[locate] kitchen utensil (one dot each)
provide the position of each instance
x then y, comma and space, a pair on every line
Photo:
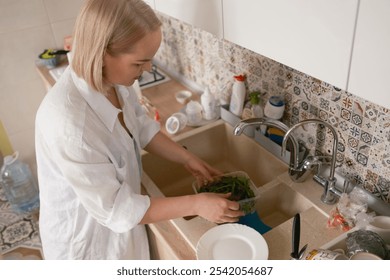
302, 252
296, 232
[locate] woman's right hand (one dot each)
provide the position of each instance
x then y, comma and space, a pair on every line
217, 208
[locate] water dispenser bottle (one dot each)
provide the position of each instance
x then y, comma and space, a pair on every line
19, 185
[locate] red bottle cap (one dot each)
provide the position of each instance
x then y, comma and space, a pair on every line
240, 78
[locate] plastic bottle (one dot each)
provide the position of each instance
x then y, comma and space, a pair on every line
19, 185
238, 95
273, 109
208, 104
253, 108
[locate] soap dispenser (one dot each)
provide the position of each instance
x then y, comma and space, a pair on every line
238, 95
208, 104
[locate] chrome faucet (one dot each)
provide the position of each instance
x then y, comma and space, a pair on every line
330, 194
299, 169
294, 156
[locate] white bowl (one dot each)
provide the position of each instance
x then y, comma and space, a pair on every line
183, 96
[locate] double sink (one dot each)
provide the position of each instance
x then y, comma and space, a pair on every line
279, 198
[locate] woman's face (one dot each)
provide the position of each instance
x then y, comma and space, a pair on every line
125, 68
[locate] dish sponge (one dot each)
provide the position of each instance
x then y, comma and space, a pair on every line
253, 220
275, 135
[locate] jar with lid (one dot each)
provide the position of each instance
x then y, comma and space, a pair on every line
194, 113
19, 186
176, 122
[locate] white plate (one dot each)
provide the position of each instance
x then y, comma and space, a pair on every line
232, 242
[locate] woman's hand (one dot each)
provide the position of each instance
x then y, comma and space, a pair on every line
202, 171
217, 208
164, 147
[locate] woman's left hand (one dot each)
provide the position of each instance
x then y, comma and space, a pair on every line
202, 171
163, 146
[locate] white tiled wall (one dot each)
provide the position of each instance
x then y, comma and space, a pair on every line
27, 27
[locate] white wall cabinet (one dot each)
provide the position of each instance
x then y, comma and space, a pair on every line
370, 65
204, 14
312, 36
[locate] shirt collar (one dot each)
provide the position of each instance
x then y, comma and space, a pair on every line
107, 112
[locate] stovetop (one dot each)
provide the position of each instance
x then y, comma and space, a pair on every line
148, 78
151, 78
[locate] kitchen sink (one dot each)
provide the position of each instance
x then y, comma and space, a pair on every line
278, 203
216, 144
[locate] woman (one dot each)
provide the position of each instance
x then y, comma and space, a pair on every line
89, 132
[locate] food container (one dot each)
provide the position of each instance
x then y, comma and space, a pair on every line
183, 96
175, 123
194, 113
247, 205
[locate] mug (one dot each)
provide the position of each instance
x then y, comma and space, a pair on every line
323, 254
364, 256
381, 225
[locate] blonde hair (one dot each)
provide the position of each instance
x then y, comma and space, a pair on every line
108, 26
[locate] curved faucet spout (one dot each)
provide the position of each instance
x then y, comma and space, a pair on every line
335, 140
240, 127
329, 183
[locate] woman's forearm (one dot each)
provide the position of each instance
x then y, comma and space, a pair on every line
166, 208
213, 207
165, 147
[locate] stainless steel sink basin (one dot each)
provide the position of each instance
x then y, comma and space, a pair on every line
217, 145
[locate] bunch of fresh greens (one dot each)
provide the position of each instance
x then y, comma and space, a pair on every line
238, 186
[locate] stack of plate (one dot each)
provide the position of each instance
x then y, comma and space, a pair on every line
232, 242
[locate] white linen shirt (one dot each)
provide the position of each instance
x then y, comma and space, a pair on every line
88, 172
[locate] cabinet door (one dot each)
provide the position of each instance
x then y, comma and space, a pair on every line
204, 14
312, 36
370, 66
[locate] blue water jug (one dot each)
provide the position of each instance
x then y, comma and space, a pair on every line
19, 185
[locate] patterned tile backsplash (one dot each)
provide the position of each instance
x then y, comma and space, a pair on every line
363, 127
